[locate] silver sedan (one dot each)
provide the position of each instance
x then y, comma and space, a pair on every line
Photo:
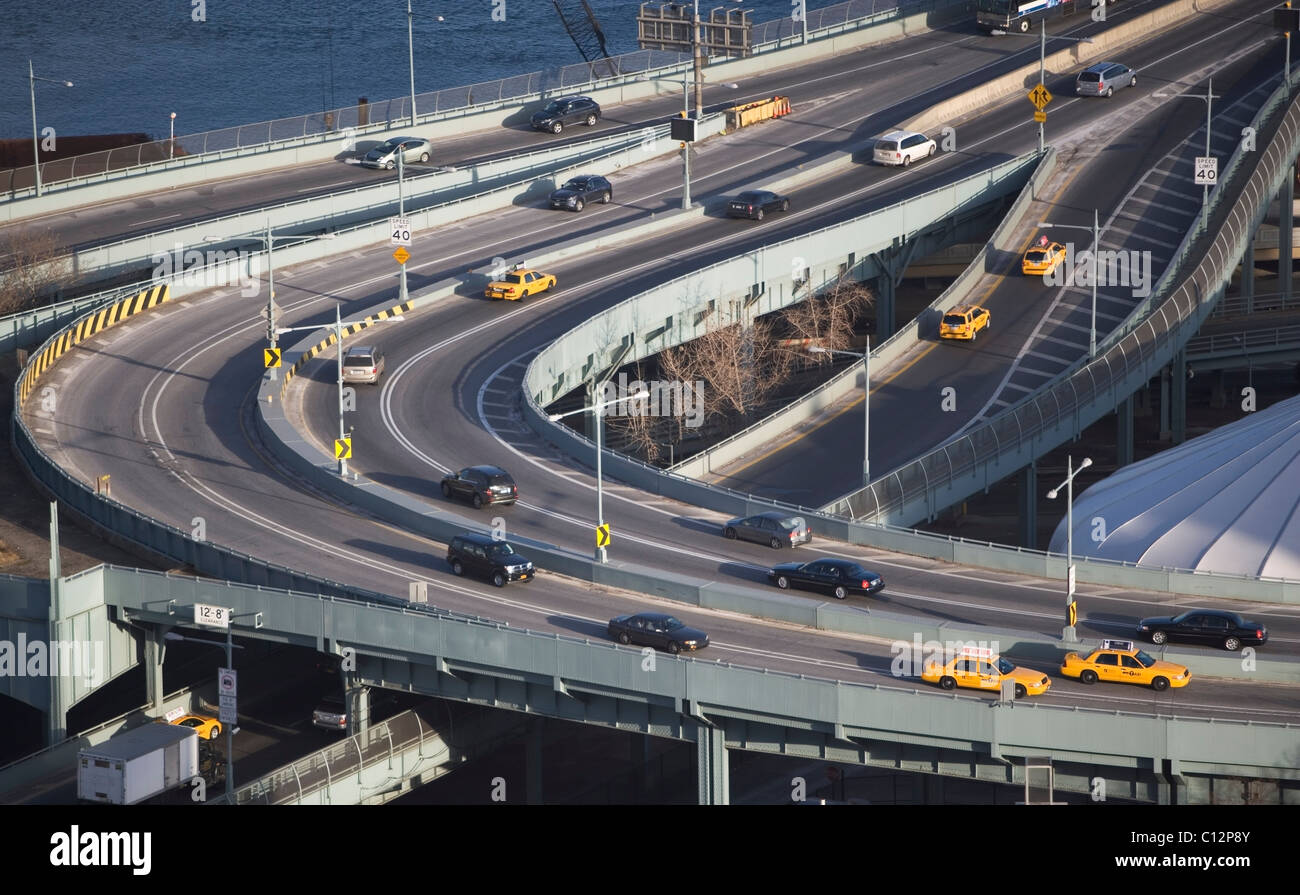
414, 149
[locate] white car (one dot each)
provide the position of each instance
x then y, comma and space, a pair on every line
903, 148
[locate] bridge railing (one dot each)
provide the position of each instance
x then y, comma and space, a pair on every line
227, 142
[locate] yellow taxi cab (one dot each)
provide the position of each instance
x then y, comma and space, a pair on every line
519, 283
980, 669
207, 727
963, 322
1043, 258
1120, 660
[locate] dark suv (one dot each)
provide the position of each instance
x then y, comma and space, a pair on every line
565, 111
480, 485
578, 191
496, 561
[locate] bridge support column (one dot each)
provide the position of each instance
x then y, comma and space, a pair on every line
1124, 432
533, 761
155, 653
886, 303
1178, 400
1164, 403
357, 700
1027, 483
1248, 275
711, 764
1286, 211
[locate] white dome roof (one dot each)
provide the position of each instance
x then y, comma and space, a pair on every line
1228, 501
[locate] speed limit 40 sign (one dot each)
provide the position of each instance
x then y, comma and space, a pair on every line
400, 230
1207, 170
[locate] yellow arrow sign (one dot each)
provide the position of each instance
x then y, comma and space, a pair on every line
271, 356
402, 255
1040, 116
343, 448
1040, 97
602, 535
1072, 613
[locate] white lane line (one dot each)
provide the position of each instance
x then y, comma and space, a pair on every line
165, 217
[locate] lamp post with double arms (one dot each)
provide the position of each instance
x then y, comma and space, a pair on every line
410, 48
866, 401
600, 425
1067, 633
338, 326
1096, 247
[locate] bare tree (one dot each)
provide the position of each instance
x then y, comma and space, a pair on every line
825, 320
32, 266
738, 364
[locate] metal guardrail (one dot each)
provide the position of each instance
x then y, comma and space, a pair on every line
1259, 303
1126, 358
1243, 342
332, 124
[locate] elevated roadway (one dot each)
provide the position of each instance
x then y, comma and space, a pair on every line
162, 403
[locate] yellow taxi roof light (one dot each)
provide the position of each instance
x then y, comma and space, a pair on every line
1117, 644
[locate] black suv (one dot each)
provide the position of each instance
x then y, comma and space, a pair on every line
578, 191
566, 110
480, 485
496, 561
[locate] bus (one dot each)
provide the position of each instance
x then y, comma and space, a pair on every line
1021, 15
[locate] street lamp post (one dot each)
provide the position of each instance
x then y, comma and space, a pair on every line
1067, 633
600, 425
697, 60
401, 213
1096, 246
1209, 98
268, 240
171, 136
866, 401
410, 52
337, 326
36, 142
1042, 62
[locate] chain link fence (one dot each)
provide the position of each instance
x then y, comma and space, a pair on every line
386, 114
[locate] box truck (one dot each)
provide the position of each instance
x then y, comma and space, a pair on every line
138, 765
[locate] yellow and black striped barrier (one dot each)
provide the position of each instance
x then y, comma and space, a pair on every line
395, 311
87, 327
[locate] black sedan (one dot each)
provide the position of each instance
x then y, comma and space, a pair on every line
657, 629
1212, 626
578, 191
837, 577
755, 203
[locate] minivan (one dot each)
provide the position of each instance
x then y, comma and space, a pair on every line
487, 558
1102, 79
363, 364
